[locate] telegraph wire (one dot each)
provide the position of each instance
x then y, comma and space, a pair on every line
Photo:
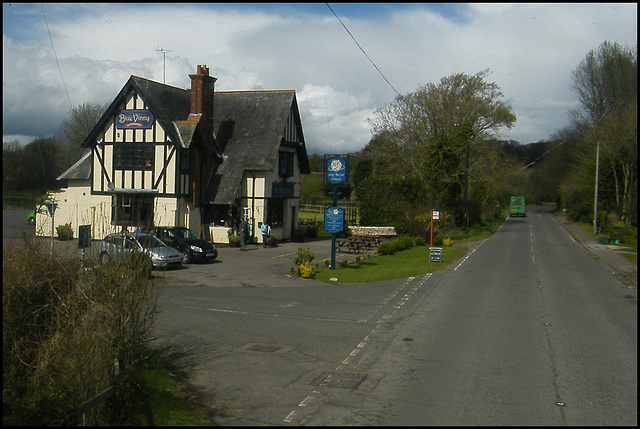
535, 160
56, 56
365, 54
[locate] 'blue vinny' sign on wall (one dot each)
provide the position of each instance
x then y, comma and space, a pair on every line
134, 119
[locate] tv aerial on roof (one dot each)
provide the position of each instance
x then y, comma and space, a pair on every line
164, 62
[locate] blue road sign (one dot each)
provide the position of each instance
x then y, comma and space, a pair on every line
84, 236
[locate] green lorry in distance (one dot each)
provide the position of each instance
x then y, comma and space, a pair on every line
517, 207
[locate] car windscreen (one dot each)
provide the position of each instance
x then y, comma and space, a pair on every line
149, 241
186, 234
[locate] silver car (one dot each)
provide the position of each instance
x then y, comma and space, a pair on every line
122, 244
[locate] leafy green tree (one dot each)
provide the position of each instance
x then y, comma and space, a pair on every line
311, 190
619, 151
436, 135
36, 166
12, 162
30, 168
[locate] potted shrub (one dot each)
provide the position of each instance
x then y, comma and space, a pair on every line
65, 232
273, 240
234, 240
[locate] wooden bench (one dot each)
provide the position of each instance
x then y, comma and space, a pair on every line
349, 244
356, 243
367, 241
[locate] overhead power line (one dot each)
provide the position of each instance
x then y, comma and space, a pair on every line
365, 54
56, 56
535, 160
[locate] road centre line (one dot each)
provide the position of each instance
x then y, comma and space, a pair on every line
371, 335
284, 254
255, 313
469, 255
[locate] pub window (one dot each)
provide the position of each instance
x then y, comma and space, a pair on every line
136, 156
184, 160
132, 210
275, 211
285, 164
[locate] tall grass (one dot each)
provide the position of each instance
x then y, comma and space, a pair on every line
63, 333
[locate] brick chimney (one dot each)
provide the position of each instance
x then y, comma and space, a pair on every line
201, 112
202, 86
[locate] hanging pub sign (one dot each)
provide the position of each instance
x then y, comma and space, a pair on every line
134, 119
336, 170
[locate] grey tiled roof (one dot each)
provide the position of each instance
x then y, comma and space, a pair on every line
80, 170
249, 127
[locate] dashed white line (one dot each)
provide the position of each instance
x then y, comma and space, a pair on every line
380, 324
468, 256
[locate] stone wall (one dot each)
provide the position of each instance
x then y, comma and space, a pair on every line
381, 231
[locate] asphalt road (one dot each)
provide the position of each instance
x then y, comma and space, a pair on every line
528, 329
14, 224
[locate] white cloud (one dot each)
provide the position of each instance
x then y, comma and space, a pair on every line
530, 48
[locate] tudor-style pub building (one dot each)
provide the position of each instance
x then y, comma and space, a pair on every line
166, 156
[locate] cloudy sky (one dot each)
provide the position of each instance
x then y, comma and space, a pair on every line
531, 50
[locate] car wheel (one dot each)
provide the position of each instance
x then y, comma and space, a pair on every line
104, 258
186, 257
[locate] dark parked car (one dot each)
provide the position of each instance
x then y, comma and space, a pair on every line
190, 244
118, 245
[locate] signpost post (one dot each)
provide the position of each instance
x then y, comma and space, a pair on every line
51, 206
434, 215
84, 241
336, 173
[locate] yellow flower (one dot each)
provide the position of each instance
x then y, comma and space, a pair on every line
306, 270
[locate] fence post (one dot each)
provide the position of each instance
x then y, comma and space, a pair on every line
98, 399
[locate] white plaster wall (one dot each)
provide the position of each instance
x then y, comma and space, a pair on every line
77, 206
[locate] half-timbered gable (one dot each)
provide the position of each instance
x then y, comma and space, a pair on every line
137, 145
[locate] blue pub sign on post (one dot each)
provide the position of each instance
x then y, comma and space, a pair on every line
336, 173
334, 220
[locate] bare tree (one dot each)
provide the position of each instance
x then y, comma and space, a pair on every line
606, 82
606, 79
75, 129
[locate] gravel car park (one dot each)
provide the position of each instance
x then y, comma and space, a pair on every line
122, 244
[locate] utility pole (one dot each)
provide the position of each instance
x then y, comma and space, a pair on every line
595, 199
595, 202
164, 63
466, 185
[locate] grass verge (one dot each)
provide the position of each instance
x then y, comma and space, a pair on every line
627, 251
166, 399
406, 263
